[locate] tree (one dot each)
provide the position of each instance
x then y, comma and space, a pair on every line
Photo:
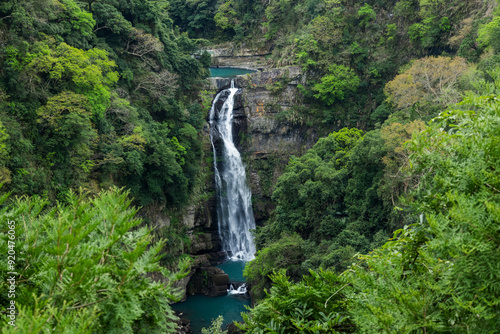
328, 208
67, 68
64, 19
215, 327
158, 84
109, 17
488, 34
311, 184
141, 44
430, 81
366, 14
397, 181
305, 307
287, 254
440, 274
335, 85
5, 175
226, 16
84, 267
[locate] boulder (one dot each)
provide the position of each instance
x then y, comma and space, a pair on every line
209, 281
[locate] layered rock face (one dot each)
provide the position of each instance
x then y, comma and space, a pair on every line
230, 56
269, 130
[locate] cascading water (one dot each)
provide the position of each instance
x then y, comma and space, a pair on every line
241, 290
234, 206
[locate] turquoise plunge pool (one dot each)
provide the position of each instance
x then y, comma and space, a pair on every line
201, 310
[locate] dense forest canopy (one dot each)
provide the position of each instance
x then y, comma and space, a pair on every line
390, 223
98, 93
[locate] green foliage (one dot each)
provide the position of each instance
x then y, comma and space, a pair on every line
82, 267
428, 84
5, 173
336, 84
294, 116
319, 174
399, 289
68, 136
206, 98
306, 307
195, 16
488, 34
287, 253
226, 16
109, 17
373, 39
331, 203
62, 19
215, 327
366, 14
437, 275
92, 95
277, 87
87, 72
123, 63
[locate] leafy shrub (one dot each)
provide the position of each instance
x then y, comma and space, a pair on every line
336, 84
84, 267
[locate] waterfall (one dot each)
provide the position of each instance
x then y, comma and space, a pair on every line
241, 290
234, 205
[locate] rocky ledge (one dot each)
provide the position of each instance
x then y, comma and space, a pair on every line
209, 281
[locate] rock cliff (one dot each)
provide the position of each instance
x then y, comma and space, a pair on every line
231, 56
268, 127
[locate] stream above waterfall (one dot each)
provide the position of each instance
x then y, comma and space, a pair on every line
228, 72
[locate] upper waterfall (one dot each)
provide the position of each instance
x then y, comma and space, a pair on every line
234, 205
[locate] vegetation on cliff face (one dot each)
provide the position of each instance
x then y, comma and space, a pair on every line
439, 271
348, 49
335, 201
434, 186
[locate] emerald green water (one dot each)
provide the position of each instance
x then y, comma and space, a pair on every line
234, 269
228, 72
201, 310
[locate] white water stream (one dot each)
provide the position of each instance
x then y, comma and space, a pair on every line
241, 290
234, 205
